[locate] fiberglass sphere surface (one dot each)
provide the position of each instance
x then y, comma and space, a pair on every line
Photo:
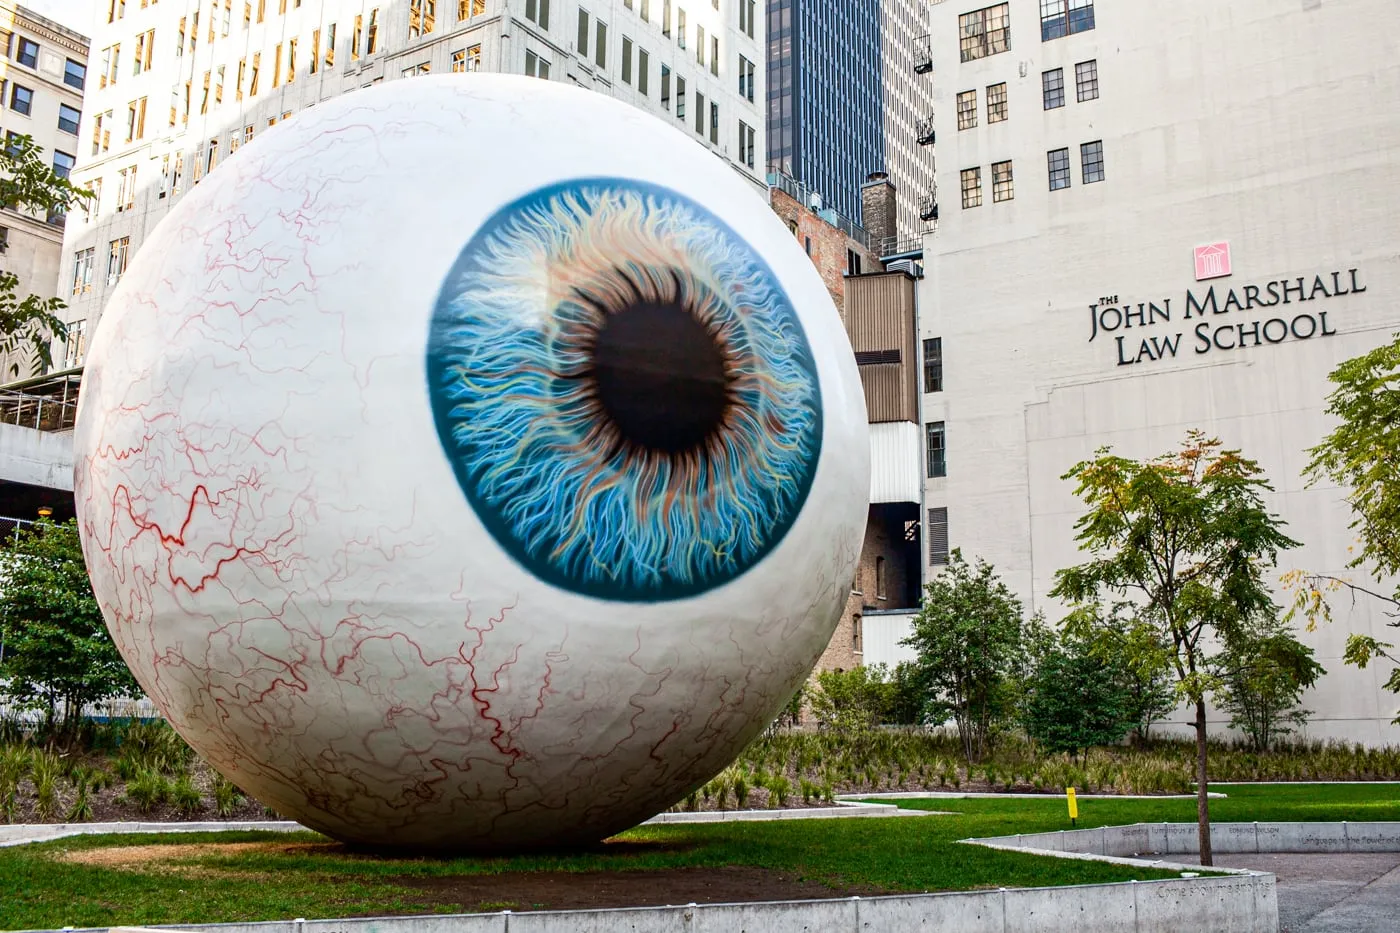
471, 463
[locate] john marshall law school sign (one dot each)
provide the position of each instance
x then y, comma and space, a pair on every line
1291, 309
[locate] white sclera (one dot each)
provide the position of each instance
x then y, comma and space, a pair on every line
285, 557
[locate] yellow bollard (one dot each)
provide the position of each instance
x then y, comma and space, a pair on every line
1073, 806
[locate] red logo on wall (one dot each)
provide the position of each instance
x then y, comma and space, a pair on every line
1212, 261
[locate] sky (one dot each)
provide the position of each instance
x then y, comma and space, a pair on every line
75, 14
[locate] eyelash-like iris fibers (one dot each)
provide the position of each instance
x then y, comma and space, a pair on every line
585, 498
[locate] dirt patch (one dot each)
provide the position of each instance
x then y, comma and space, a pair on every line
563, 890
144, 858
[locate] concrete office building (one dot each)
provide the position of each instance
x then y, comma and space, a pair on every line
846, 99
41, 95
1156, 217
179, 85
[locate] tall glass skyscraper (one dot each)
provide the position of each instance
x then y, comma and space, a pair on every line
844, 99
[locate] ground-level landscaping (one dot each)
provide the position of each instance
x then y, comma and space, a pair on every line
144, 879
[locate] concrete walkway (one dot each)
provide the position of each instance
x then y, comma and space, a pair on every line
1329, 893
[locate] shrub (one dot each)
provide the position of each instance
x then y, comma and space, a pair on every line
148, 791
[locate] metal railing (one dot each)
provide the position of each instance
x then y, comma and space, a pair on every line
803, 195
36, 411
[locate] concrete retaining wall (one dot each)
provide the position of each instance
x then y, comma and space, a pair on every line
1181, 838
1243, 903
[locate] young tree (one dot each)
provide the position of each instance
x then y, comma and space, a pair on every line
1362, 454
1077, 698
27, 182
58, 655
1188, 537
1263, 673
854, 700
973, 647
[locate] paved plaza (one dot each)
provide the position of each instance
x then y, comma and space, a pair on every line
1353, 893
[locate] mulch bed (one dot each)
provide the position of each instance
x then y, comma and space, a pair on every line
562, 890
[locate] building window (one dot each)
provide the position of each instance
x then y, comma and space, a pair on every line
665, 87
535, 66
422, 16
330, 46
28, 52
971, 187
996, 103
645, 11
856, 633
1059, 168
880, 578
666, 18
643, 71
714, 56
145, 49
933, 364
746, 142
937, 442
1060, 18
117, 253
82, 270
714, 122
746, 14
126, 190
967, 109
1091, 159
680, 27
1001, 181
1086, 80
68, 118
600, 44
21, 99
985, 32
372, 30
75, 345
469, 8
700, 45
626, 60
468, 59
537, 12
62, 167
699, 113
746, 76
581, 43
92, 206
937, 537
74, 74
419, 69
1052, 88
680, 98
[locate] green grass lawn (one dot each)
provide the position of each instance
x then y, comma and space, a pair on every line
41, 886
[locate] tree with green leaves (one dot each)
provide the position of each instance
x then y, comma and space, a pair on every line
1077, 698
1362, 455
1263, 672
28, 183
1135, 653
974, 648
1187, 538
58, 654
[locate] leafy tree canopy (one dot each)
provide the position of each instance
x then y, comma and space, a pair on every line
27, 182
58, 655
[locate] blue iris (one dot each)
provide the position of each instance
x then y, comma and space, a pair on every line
624, 391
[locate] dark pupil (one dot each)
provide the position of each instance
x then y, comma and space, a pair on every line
660, 376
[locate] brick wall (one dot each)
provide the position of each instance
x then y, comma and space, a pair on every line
825, 244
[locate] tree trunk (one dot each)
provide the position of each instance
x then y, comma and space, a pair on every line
1202, 795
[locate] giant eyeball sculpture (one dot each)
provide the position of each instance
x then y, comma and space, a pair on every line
471, 463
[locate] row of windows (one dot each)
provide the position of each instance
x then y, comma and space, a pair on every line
1086, 84
1090, 162
118, 257
996, 106
1058, 164
25, 51
987, 31
1003, 188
